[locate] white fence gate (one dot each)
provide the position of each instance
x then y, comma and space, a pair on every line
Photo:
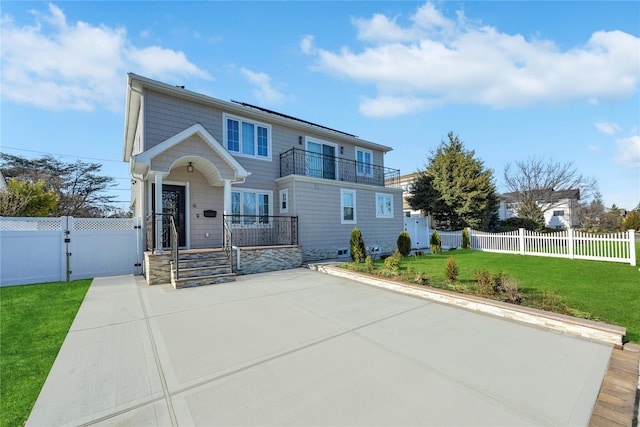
35, 250
418, 229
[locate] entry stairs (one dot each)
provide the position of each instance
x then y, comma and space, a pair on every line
201, 267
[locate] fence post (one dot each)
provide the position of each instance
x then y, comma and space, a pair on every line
570, 242
632, 247
521, 240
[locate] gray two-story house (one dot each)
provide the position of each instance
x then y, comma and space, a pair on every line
233, 173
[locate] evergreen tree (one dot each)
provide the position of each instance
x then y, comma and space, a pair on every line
455, 189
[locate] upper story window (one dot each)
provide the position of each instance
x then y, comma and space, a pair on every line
247, 138
364, 159
558, 213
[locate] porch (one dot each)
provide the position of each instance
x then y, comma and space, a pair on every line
251, 244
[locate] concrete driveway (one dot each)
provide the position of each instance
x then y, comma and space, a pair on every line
304, 348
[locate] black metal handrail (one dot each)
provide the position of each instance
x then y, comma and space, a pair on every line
262, 230
307, 163
174, 245
227, 244
151, 230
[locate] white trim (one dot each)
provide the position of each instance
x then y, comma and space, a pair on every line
308, 139
354, 185
240, 119
284, 192
370, 164
144, 158
257, 192
382, 215
344, 191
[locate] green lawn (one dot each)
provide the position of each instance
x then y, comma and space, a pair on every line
605, 291
34, 320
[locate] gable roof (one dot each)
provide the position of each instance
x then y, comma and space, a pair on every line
136, 85
572, 194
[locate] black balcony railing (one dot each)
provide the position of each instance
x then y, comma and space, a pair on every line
307, 163
262, 230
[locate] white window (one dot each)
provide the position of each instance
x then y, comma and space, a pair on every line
247, 138
284, 201
558, 213
348, 206
364, 160
250, 207
384, 205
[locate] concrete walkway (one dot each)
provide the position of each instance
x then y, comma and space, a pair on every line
299, 347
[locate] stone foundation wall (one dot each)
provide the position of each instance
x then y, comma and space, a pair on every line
262, 259
157, 268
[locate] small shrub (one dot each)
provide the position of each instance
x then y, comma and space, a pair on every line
393, 262
510, 292
358, 249
409, 269
404, 243
466, 240
490, 284
421, 279
435, 244
483, 281
451, 270
368, 265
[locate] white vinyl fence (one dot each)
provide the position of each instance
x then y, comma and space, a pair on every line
35, 250
614, 247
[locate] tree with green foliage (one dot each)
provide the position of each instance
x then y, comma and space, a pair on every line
466, 240
30, 199
79, 186
435, 243
404, 243
358, 249
632, 221
455, 188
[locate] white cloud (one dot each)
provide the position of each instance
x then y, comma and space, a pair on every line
458, 61
264, 92
628, 151
388, 106
608, 128
57, 65
306, 44
594, 148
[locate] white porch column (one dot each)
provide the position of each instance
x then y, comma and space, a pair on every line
227, 197
158, 210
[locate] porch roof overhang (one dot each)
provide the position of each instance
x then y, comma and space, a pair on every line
140, 164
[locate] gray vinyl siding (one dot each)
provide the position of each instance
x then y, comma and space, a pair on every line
202, 197
166, 116
317, 206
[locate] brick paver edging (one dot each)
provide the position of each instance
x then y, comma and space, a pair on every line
610, 334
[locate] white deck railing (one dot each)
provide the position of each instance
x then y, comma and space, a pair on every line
614, 247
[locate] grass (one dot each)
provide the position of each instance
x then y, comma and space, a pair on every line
34, 320
604, 291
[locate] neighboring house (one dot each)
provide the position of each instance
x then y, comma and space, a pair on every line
416, 223
205, 160
561, 213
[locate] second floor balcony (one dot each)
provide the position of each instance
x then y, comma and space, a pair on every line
318, 165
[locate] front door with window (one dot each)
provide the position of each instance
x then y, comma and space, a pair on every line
173, 203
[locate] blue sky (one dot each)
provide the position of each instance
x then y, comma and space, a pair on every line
557, 80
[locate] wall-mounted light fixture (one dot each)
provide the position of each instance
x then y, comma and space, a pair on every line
190, 167
341, 150
300, 140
